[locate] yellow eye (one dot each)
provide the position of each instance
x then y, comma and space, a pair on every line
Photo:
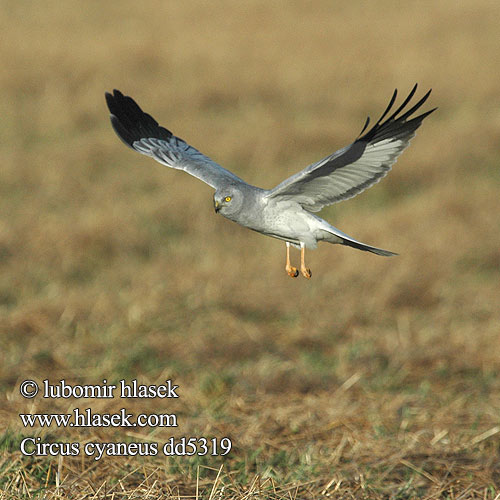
227, 198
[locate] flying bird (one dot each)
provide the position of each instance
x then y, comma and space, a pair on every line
287, 211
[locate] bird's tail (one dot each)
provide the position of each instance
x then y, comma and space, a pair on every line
367, 248
334, 235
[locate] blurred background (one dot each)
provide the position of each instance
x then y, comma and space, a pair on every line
378, 376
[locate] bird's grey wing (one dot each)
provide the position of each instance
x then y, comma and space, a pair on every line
358, 166
141, 132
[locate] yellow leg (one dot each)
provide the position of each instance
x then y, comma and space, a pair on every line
306, 272
292, 271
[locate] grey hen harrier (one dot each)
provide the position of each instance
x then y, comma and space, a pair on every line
286, 211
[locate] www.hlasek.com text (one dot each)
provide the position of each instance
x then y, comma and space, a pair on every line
88, 418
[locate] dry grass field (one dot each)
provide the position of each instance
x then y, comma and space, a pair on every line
378, 378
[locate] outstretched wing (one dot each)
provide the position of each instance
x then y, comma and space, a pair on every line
358, 166
141, 132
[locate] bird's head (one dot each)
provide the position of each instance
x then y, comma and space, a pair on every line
228, 200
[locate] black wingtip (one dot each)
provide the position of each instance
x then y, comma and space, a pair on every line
130, 122
365, 126
112, 99
389, 106
384, 125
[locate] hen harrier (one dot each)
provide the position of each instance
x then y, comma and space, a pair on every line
284, 212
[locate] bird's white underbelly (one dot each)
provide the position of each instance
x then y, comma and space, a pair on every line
291, 223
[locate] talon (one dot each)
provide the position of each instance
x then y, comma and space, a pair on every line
306, 272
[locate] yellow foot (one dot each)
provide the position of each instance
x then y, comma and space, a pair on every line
306, 272
292, 271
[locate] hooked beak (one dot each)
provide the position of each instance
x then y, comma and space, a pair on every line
216, 206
